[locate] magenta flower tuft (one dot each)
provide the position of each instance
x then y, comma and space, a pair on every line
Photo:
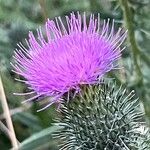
68, 55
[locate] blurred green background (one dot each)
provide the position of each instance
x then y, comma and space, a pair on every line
18, 17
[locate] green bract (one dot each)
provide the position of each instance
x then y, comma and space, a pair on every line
100, 117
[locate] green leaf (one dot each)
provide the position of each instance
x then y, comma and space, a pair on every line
29, 120
39, 140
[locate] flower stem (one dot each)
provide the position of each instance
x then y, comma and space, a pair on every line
7, 116
128, 18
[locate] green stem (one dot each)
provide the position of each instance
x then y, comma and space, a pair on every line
43, 8
128, 18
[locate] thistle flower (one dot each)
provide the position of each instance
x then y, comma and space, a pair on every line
66, 57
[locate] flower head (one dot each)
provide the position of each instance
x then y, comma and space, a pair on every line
68, 54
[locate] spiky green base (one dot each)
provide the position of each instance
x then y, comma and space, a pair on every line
101, 117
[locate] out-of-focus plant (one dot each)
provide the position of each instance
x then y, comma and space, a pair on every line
141, 61
18, 17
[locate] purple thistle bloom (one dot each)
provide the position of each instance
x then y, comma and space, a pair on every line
80, 53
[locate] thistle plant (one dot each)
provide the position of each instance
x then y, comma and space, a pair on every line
67, 63
101, 117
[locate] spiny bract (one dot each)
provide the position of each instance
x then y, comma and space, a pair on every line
101, 117
72, 52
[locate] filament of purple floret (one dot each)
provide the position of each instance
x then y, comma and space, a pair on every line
28, 93
53, 100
